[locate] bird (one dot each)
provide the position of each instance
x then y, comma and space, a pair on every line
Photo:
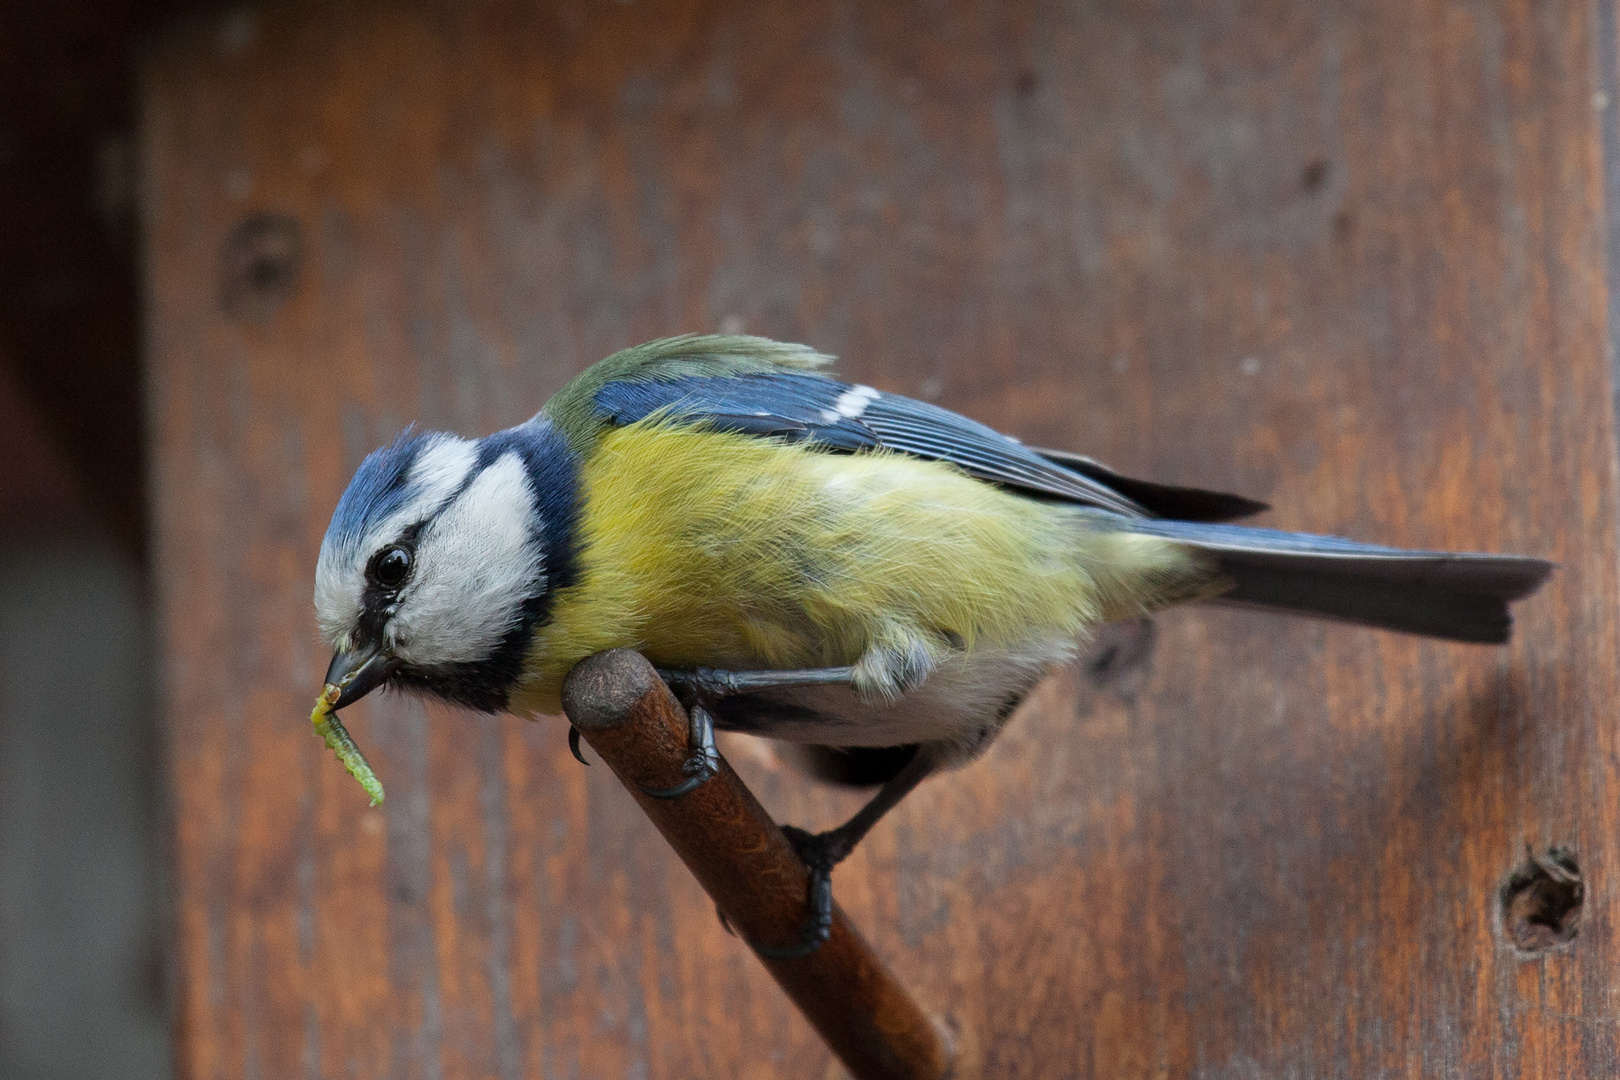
805, 559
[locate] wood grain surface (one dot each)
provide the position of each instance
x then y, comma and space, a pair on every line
1347, 258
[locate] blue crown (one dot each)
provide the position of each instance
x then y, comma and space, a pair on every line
380, 487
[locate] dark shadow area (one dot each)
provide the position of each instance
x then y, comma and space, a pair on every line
82, 970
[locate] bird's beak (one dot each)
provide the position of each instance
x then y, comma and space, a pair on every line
357, 672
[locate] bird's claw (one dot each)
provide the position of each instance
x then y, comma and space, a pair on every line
819, 855
704, 762
573, 746
819, 852
690, 784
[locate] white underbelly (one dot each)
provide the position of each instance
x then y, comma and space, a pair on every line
964, 700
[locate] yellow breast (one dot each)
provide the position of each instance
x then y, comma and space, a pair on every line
723, 550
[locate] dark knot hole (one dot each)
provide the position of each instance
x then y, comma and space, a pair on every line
1541, 900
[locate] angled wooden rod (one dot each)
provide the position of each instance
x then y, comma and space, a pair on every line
740, 857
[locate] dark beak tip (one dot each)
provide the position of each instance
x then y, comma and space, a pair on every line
357, 673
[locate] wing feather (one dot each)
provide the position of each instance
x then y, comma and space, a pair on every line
798, 406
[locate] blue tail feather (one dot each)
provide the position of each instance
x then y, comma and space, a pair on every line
1459, 596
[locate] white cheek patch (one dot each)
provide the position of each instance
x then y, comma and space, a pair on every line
340, 575
475, 565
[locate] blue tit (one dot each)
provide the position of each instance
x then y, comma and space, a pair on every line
805, 559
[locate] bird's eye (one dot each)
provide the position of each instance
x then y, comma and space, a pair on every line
389, 568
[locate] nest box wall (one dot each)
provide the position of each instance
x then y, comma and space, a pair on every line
1345, 258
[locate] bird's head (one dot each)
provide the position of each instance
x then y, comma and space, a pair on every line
441, 560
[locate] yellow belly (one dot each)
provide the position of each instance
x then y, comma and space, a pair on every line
723, 550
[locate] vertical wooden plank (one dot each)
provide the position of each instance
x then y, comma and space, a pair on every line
1347, 258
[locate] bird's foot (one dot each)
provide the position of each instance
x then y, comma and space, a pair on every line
702, 764
819, 852
701, 685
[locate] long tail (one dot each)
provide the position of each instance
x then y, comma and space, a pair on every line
1463, 597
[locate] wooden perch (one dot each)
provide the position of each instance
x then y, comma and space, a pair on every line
743, 861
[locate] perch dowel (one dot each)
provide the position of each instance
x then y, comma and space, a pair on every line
745, 863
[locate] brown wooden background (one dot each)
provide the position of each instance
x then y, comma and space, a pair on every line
1345, 257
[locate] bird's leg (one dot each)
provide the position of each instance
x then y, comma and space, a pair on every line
820, 852
710, 683
701, 685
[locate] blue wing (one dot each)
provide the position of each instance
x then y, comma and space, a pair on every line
841, 417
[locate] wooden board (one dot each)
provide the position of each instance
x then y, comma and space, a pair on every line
1346, 258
